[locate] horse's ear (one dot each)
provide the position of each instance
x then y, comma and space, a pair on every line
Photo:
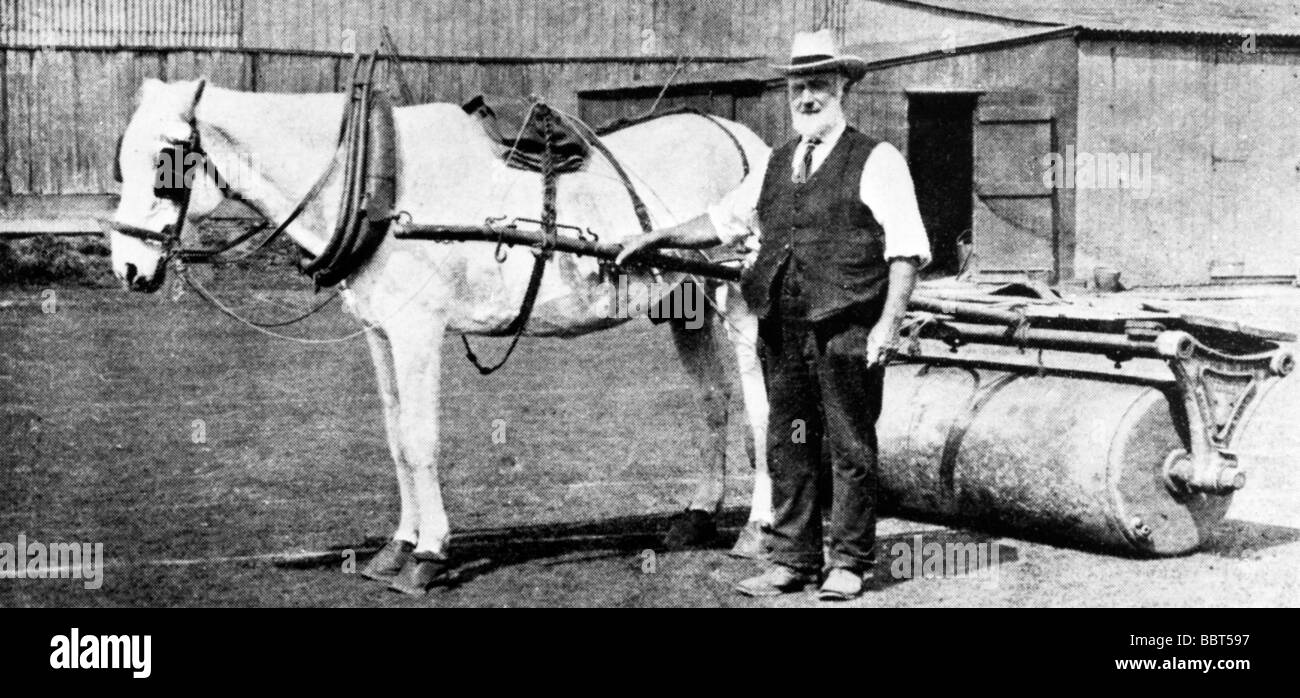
117, 159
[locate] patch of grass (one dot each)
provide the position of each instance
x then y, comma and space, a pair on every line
45, 259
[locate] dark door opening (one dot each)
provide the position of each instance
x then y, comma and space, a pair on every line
941, 155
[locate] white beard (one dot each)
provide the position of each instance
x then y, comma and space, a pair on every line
819, 124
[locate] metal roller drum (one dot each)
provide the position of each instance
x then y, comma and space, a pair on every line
1053, 457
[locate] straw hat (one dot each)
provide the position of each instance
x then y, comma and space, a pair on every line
816, 52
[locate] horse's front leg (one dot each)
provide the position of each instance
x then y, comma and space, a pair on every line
417, 364
697, 346
742, 330
390, 560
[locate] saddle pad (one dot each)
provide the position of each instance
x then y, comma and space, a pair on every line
522, 144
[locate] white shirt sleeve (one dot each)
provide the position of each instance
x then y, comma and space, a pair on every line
735, 217
888, 191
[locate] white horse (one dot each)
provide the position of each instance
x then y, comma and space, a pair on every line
273, 147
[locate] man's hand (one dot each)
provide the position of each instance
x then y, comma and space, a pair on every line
881, 342
634, 244
694, 234
883, 338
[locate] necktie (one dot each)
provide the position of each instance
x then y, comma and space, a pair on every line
805, 166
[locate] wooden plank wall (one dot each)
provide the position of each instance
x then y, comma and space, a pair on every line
1218, 125
70, 69
1042, 73
62, 110
1043, 70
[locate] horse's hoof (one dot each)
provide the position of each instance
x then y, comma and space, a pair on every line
690, 528
390, 559
749, 545
421, 571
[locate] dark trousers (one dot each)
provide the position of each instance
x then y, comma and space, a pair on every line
818, 383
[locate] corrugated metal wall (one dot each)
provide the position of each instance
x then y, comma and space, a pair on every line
543, 27
54, 23
552, 28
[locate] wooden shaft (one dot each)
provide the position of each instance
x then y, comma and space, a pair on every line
975, 323
608, 251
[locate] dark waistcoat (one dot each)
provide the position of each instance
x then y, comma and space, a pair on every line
821, 235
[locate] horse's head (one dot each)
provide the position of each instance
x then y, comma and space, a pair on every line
158, 163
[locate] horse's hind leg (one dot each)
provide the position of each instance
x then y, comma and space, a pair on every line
742, 330
697, 346
389, 561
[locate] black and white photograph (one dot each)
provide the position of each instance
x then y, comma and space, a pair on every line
802, 304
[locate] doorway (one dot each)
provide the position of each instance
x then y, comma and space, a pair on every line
941, 155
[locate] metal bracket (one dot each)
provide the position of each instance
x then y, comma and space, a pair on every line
1218, 391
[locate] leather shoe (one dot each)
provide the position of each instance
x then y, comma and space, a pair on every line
778, 580
841, 585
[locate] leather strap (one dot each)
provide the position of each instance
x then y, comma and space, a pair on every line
543, 256
207, 255
547, 118
642, 214
369, 167
621, 124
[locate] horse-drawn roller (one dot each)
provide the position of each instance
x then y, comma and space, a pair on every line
1128, 463
1101, 458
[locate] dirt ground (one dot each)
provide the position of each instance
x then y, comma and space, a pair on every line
102, 403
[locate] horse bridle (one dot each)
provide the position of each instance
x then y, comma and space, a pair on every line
173, 157
170, 236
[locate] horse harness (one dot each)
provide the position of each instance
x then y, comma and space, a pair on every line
351, 242
368, 154
549, 128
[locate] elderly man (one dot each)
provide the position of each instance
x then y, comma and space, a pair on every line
841, 243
